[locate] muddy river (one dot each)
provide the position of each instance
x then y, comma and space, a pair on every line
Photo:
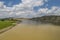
32, 30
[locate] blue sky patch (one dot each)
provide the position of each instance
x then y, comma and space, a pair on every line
10, 3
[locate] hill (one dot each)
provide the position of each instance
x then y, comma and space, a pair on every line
48, 19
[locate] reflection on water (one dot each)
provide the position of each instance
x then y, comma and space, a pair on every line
32, 30
33, 22
30, 22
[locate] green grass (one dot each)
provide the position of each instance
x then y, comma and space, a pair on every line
4, 24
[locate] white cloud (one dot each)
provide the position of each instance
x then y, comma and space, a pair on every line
43, 10
53, 11
33, 2
25, 9
1, 4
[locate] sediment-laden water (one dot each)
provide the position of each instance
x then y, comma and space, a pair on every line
32, 30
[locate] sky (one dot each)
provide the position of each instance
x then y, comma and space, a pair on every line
29, 8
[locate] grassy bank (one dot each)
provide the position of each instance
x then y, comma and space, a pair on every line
4, 24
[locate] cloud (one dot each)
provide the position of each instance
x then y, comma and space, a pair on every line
1, 4
53, 11
33, 2
25, 9
4, 10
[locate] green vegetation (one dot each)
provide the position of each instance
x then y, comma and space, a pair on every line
48, 19
4, 24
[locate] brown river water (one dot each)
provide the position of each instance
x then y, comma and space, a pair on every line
31, 30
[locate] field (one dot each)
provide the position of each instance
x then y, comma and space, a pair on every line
4, 24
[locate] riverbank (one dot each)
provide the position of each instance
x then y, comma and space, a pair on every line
29, 31
55, 20
7, 28
6, 25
